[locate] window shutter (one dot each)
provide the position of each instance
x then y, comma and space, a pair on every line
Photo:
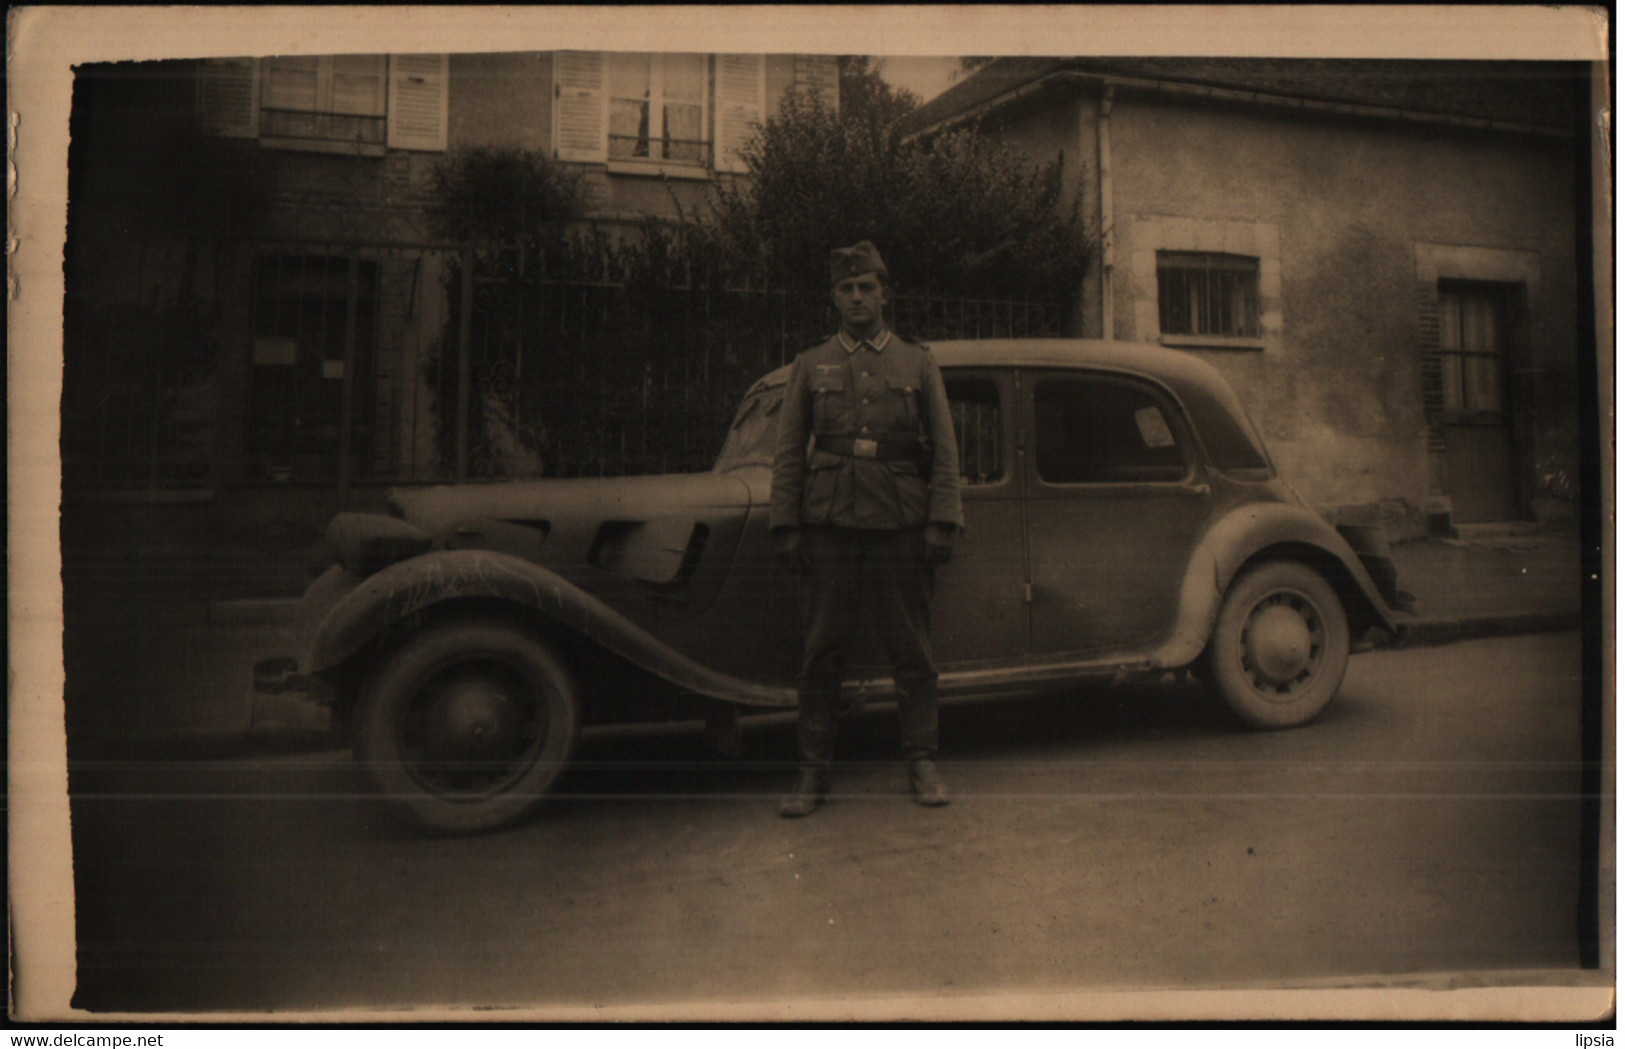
417, 102
228, 97
292, 82
741, 100
578, 106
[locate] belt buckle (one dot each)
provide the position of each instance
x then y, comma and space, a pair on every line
864, 448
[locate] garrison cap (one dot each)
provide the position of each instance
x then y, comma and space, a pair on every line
860, 258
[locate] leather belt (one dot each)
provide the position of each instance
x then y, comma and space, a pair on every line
907, 449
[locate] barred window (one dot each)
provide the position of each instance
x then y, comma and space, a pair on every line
1203, 293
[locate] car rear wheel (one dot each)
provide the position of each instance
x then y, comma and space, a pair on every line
467, 725
1281, 645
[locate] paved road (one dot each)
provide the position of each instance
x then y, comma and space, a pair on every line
1428, 822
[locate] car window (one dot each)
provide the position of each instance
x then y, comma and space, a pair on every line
1100, 431
979, 428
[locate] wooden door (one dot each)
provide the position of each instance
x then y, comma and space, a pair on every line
1473, 338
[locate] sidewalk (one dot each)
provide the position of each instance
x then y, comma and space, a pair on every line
1491, 581
184, 681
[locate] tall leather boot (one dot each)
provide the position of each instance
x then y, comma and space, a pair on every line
815, 736
917, 711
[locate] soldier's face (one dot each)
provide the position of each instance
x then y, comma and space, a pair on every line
860, 300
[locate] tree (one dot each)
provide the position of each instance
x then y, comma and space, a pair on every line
960, 215
868, 99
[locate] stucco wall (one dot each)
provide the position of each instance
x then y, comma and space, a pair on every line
1339, 394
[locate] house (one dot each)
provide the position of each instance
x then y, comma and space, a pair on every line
1380, 256
255, 293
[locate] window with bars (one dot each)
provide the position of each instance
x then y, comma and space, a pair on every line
657, 107
1206, 293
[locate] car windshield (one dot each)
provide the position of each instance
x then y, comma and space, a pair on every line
750, 439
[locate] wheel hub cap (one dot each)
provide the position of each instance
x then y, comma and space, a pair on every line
1279, 644
472, 720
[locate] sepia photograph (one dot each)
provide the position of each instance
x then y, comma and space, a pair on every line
931, 515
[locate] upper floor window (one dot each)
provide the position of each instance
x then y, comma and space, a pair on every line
346, 103
1206, 293
326, 97
657, 108
673, 113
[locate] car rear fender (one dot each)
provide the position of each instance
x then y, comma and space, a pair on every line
1262, 532
382, 604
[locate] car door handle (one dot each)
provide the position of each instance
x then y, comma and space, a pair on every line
1199, 489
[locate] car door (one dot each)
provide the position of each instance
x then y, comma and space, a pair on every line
1115, 501
979, 612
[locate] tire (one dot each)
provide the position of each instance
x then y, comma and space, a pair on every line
466, 726
1280, 646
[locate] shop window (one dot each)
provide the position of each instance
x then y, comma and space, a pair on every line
304, 305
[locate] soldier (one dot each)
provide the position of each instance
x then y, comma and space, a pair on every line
865, 506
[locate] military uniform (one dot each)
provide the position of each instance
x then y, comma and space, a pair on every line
865, 459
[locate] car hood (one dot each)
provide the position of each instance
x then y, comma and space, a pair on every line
651, 546
440, 510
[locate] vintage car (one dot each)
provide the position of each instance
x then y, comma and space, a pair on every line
1122, 520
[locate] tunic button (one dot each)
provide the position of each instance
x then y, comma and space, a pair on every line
866, 400
865, 429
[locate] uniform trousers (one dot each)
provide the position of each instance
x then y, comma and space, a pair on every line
882, 572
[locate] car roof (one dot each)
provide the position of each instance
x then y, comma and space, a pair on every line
1177, 369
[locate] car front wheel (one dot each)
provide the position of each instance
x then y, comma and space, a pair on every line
467, 725
1281, 645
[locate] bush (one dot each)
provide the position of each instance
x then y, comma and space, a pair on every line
511, 197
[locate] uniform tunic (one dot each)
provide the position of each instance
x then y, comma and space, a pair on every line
888, 389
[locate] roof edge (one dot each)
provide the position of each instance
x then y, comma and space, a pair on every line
1075, 78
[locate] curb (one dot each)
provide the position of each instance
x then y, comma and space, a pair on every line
1445, 630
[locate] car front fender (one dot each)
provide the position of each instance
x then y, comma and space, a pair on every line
1267, 530
417, 585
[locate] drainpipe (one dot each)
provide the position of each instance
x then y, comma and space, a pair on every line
1108, 233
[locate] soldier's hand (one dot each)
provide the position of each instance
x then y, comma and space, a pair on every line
939, 544
790, 551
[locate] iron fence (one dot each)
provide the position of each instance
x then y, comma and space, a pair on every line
190, 365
